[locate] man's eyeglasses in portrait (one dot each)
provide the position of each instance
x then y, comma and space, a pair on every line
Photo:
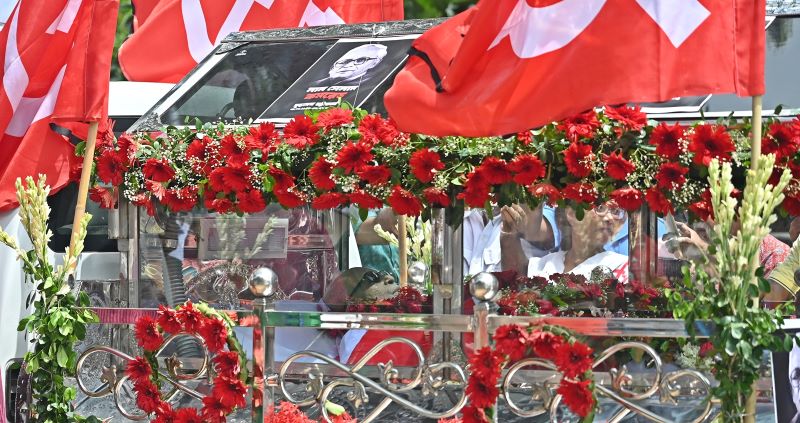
358, 61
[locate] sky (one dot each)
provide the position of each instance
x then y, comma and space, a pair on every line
6, 6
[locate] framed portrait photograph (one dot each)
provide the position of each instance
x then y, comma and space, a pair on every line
786, 379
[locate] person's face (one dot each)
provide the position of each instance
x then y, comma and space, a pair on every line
598, 225
354, 64
794, 382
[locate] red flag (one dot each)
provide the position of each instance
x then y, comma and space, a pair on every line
141, 10
521, 66
180, 33
50, 48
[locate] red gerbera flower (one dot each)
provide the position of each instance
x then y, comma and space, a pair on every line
511, 340
289, 199
525, 137
404, 202
168, 320
164, 413
144, 200
334, 117
577, 396
106, 198
234, 150
710, 142
527, 168
545, 190
657, 201
329, 200
573, 359
214, 411
158, 170
375, 175
365, 201
218, 204
283, 180
374, 128
578, 158
495, 170
580, 126
191, 317
111, 167
202, 155
230, 179
424, 163
147, 396
791, 203
230, 391
473, 414
353, 156
545, 344
482, 393
214, 333
147, 333
250, 201
301, 132
188, 415
703, 208
435, 196
618, 167
180, 200
631, 118
671, 175
485, 363
580, 192
782, 140
262, 137
667, 140
227, 363
139, 370
475, 195
629, 199
320, 174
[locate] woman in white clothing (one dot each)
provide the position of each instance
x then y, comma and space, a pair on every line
582, 243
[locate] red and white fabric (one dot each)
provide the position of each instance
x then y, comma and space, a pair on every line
510, 65
178, 34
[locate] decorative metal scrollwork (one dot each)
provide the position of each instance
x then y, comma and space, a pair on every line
431, 377
112, 383
620, 389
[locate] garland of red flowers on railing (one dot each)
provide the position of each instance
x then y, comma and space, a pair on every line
512, 343
340, 156
407, 300
215, 329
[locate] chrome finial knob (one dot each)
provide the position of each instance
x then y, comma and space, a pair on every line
484, 286
263, 282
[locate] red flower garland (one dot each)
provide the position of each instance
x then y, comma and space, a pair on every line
229, 388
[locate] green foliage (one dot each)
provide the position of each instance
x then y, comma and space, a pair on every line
124, 25
59, 318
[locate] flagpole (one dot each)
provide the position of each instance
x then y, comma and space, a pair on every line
83, 188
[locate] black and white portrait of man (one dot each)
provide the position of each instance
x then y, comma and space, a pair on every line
786, 384
355, 65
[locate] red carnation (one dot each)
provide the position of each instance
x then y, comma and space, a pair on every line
214, 411
234, 150
511, 340
301, 132
147, 396
283, 180
545, 190
618, 167
578, 158
671, 175
485, 364
404, 202
574, 359
191, 317
187, 415
365, 201
334, 117
111, 167
139, 370
482, 393
353, 156
473, 414
214, 333
580, 192
250, 201
791, 203
106, 198
262, 137
329, 200
168, 320
230, 391
631, 118
375, 175
495, 170
545, 344
629, 199
580, 126
320, 174
289, 199
657, 201
147, 333
424, 163
158, 170
527, 169
227, 363
782, 140
710, 142
435, 196
230, 178
667, 140
201, 155
180, 200
577, 396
